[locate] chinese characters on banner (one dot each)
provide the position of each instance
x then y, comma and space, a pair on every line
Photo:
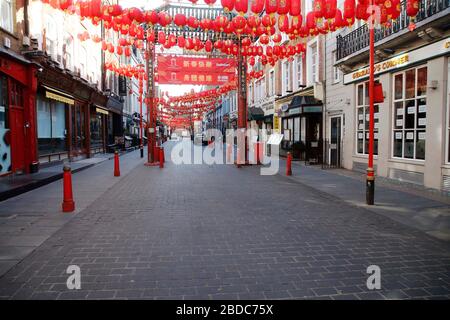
200, 71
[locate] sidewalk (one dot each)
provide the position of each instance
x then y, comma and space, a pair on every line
417, 208
11, 186
29, 219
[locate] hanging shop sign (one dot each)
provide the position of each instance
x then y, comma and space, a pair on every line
415, 56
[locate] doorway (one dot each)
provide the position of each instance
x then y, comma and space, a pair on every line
17, 126
78, 117
335, 143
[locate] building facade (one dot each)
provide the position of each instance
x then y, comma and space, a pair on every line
412, 124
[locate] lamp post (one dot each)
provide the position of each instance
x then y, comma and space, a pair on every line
370, 182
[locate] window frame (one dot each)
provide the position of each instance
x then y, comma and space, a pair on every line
366, 123
12, 28
403, 99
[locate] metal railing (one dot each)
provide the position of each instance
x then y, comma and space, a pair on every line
359, 39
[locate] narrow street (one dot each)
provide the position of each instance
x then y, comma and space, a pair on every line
213, 232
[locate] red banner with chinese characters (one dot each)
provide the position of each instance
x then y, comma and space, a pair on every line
200, 71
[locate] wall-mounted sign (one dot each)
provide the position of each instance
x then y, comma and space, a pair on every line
420, 54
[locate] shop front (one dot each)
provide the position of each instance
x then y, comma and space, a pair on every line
301, 125
98, 128
18, 150
411, 138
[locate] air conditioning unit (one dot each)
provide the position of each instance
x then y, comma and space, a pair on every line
26, 41
7, 42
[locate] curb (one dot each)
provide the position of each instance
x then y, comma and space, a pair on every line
40, 183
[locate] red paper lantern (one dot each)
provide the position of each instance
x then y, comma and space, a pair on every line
412, 8
136, 15
318, 9
296, 8
208, 46
65, 4
284, 7
283, 23
164, 18
239, 23
264, 39
271, 6
210, 2
277, 38
180, 20
241, 6
151, 17
349, 10
254, 22
228, 5
193, 23
257, 6
181, 41
330, 7
115, 10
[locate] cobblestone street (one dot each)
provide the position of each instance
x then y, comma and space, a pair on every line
218, 232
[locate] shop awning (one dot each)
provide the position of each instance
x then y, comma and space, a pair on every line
301, 101
54, 94
255, 113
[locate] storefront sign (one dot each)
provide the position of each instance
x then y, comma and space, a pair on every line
312, 109
295, 111
423, 53
102, 111
276, 124
57, 97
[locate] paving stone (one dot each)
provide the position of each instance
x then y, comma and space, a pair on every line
215, 232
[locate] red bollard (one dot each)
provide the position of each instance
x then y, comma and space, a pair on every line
289, 164
116, 164
161, 157
68, 204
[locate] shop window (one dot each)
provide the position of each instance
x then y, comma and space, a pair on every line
363, 120
7, 16
271, 83
410, 114
51, 121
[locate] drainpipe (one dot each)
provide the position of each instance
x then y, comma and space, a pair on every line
324, 120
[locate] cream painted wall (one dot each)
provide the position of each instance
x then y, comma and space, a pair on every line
63, 24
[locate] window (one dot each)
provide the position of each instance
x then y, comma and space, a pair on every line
68, 52
410, 114
7, 17
363, 120
312, 75
51, 121
263, 87
272, 83
336, 71
50, 37
83, 61
250, 92
299, 71
286, 76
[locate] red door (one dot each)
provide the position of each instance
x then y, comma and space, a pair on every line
17, 126
17, 140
